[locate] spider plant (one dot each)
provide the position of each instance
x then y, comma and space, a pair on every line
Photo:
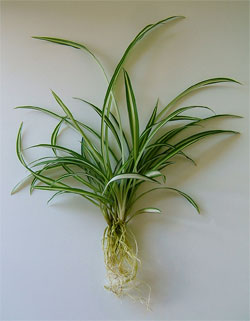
111, 177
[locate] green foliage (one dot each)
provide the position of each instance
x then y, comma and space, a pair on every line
110, 177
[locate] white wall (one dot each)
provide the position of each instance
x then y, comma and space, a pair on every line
52, 263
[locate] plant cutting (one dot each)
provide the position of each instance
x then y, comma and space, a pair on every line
111, 165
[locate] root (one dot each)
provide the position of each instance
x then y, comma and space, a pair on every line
121, 261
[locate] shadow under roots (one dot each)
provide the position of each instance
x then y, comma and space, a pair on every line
162, 279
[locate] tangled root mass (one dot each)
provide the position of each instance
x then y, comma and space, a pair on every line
121, 261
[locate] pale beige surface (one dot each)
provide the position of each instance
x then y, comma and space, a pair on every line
197, 265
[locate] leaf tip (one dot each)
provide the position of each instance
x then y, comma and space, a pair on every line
125, 73
238, 82
38, 38
21, 126
53, 93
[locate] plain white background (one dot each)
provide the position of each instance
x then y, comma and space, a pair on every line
51, 257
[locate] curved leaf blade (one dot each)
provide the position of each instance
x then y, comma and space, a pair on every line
198, 85
186, 196
191, 140
143, 211
130, 176
21, 184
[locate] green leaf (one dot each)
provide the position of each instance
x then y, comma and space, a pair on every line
61, 148
21, 184
177, 118
46, 111
54, 195
140, 35
186, 196
75, 45
112, 177
107, 121
144, 210
75, 175
149, 125
54, 142
73, 161
170, 147
40, 171
92, 149
55, 132
154, 173
85, 194
198, 85
64, 42
130, 176
20, 156
85, 48
65, 119
133, 115
160, 124
52, 184
175, 131
191, 140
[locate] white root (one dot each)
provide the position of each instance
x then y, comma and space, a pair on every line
121, 261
